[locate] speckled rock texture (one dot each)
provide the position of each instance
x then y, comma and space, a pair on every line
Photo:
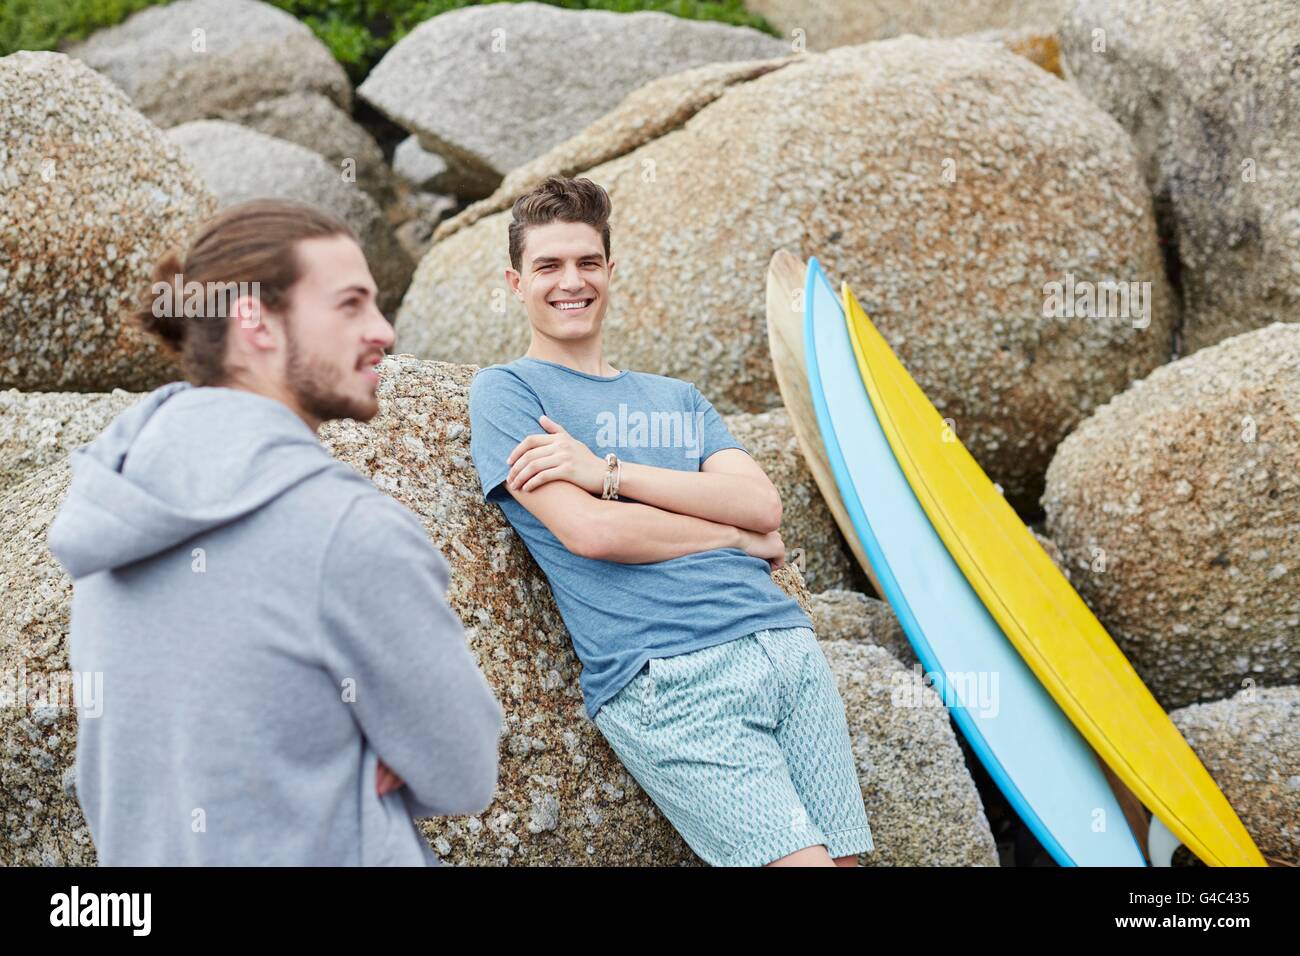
1249, 745
841, 615
41, 823
942, 177
91, 194
563, 796
491, 87
831, 23
1177, 506
1211, 95
40, 428
921, 801
648, 112
193, 59
240, 164
813, 542
315, 121
419, 168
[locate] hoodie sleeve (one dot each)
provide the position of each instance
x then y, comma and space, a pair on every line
388, 632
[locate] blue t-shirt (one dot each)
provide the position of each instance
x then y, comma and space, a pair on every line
621, 615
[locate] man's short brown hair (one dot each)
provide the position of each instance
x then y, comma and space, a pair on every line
558, 200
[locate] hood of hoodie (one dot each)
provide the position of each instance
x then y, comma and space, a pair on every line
180, 461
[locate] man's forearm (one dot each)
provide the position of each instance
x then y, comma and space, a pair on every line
635, 533
735, 500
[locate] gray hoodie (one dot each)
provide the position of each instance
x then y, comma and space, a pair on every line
267, 625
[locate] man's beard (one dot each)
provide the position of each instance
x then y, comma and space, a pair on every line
314, 387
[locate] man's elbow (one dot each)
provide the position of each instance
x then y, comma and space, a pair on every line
771, 513
594, 537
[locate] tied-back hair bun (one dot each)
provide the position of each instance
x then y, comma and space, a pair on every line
163, 310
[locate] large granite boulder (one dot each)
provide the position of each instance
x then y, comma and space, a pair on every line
1210, 93
842, 615
1249, 745
239, 164
491, 87
40, 428
949, 201
830, 23
1177, 505
316, 122
91, 195
195, 58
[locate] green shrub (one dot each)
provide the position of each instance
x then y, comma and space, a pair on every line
358, 32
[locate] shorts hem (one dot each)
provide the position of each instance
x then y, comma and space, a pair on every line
775, 844
851, 842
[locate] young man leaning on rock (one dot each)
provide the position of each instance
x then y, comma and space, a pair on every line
658, 534
283, 682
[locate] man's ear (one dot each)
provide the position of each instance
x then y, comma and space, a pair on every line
248, 325
248, 310
512, 280
609, 273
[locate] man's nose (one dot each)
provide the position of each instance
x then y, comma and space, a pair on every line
572, 279
383, 332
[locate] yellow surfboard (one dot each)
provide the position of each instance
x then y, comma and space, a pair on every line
1060, 639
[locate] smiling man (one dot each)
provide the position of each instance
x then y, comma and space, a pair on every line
658, 534
283, 680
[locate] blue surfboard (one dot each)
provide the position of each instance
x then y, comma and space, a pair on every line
1035, 756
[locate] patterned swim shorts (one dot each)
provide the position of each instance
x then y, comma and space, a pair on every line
744, 747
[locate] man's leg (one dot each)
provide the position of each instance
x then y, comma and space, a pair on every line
810, 856
814, 737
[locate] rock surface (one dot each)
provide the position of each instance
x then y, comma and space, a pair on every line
316, 122
1210, 93
491, 87
1249, 745
840, 615
239, 164
91, 195
832, 23
195, 58
40, 428
1177, 507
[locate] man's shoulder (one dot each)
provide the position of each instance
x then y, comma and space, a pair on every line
664, 382
498, 379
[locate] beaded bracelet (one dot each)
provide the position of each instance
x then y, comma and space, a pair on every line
613, 472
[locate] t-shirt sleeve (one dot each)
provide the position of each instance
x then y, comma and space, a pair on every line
714, 434
503, 410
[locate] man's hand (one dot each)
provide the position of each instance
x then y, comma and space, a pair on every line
385, 780
557, 455
768, 546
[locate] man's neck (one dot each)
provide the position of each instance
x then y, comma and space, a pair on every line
585, 357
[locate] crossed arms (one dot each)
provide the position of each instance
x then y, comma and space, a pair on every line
728, 503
